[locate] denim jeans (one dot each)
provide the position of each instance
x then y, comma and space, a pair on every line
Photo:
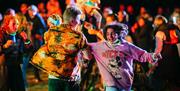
113, 88
26, 58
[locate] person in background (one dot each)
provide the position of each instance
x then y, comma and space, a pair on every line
42, 10
166, 75
106, 11
23, 8
39, 28
111, 18
131, 15
10, 12
12, 46
53, 7
178, 30
24, 29
1, 18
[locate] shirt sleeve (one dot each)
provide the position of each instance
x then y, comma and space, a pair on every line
140, 54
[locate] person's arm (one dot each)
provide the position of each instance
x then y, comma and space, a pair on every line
98, 17
86, 53
142, 55
92, 31
160, 36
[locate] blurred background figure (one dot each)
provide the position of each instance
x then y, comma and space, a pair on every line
111, 18
42, 10
1, 18
166, 74
23, 8
38, 30
121, 7
131, 15
10, 12
106, 11
143, 12
123, 17
142, 32
53, 7
13, 46
25, 27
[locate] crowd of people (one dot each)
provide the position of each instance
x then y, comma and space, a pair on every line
86, 48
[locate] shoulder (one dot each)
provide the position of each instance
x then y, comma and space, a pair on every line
96, 44
161, 35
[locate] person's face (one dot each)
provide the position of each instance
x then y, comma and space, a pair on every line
41, 6
130, 9
13, 26
157, 22
23, 8
120, 16
109, 20
111, 35
106, 11
141, 22
31, 13
75, 21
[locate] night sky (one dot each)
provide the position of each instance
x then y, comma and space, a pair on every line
150, 4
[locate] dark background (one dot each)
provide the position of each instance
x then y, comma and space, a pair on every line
150, 4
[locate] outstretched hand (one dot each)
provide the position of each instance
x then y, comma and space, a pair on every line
157, 56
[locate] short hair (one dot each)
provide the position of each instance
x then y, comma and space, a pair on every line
70, 13
33, 8
160, 17
117, 27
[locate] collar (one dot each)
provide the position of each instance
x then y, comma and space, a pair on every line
114, 44
13, 34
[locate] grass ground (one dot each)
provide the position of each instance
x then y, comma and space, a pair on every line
37, 86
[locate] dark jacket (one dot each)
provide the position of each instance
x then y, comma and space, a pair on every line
14, 52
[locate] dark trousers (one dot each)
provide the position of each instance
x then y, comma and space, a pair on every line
61, 85
15, 79
36, 44
3, 78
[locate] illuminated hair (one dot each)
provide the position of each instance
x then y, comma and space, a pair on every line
118, 28
55, 19
160, 17
70, 13
7, 20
